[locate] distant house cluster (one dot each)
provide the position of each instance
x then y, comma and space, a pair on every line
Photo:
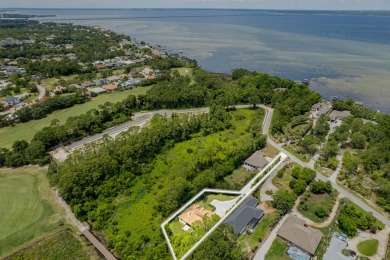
10, 70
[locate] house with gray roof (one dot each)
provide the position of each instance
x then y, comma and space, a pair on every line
339, 115
255, 162
246, 215
295, 231
320, 109
12, 101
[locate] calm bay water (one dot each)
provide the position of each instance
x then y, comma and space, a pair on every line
346, 54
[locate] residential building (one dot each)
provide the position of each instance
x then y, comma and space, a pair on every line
100, 82
246, 215
338, 115
320, 109
97, 90
255, 162
12, 101
87, 84
110, 87
193, 214
295, 231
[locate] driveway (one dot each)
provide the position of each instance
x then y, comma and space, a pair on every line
222, 206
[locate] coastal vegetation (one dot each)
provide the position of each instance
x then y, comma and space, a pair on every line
143, 177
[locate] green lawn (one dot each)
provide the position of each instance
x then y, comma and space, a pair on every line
277, 251
28, 208
259, 233
368, 247
60, 246
26, 131
314, 200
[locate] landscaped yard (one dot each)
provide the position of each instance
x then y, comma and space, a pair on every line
277, 251
176, 227
254, 239
302, 157
59, 246
368, 247
308, 207
26, 131
28, 208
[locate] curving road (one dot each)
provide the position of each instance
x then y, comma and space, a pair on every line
319, 176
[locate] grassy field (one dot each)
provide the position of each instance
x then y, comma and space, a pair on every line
26, 131
277, 251
28, 208
62, 245
314, 200
253, 239
368, 247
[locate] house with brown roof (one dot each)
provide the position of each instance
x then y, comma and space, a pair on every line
193, 214
110, 87
255, 162
295, 231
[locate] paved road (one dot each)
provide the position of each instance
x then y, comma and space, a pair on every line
321, 177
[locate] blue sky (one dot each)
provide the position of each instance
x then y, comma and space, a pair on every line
246, 4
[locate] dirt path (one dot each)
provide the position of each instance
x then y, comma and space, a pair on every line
382, 236
315, 224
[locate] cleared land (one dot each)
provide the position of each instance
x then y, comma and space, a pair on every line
59, 246
308, 207
283, 183
368, 247
26, 131
186, 72
28, 208
277, 251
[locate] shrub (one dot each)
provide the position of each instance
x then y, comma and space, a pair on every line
321, 212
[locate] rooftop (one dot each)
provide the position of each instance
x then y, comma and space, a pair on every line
244, 215
257, 159
194, 213
295, 231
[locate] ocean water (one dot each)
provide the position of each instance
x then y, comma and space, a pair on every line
346, 54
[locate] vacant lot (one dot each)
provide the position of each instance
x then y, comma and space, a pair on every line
28, 208
308, 207
283, 183
58, 246
186, 72
26, 131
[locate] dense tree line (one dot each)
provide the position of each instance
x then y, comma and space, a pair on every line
92, 181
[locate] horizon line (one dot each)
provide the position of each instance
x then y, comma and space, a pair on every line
191, 8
